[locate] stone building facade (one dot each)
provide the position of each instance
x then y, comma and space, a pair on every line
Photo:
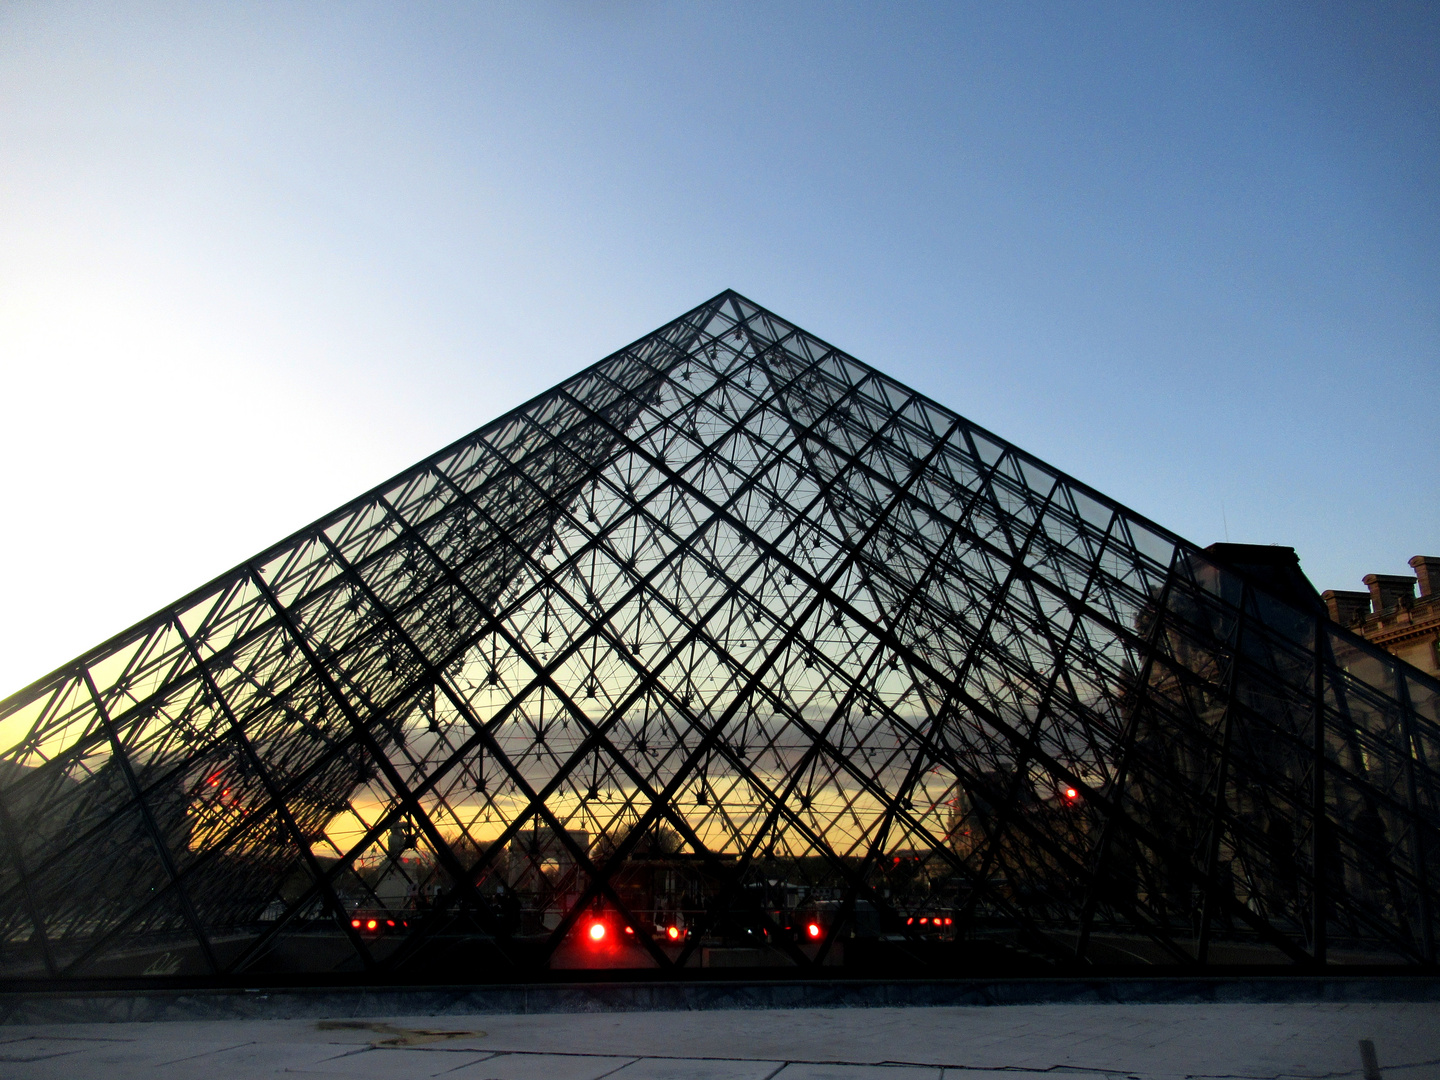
1392, 616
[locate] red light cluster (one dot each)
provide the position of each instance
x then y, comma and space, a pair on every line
374, 924
597, 932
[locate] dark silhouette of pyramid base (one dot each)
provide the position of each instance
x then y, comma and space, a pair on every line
728, 652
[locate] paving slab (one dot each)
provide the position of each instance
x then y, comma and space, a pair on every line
830, 1071
1255, 1041
40, 1049
532, 1066
653, 1068
387, 1063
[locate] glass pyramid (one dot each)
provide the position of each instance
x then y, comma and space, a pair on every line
730, 653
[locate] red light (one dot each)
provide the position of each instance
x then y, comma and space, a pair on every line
355, 923
923, 920
389, 922
910, 921
948, 920
597, 931
813, 929
370, 924
1071, 793
673, 933
630, 930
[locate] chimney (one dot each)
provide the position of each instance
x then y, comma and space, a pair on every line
1389, 591
1346, 607
1427, 569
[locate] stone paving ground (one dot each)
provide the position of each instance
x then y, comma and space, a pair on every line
1013, 1042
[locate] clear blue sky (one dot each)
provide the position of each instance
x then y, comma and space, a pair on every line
255, 258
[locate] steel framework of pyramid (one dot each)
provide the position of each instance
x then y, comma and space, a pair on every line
729, 651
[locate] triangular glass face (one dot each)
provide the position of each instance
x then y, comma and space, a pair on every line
727, 652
